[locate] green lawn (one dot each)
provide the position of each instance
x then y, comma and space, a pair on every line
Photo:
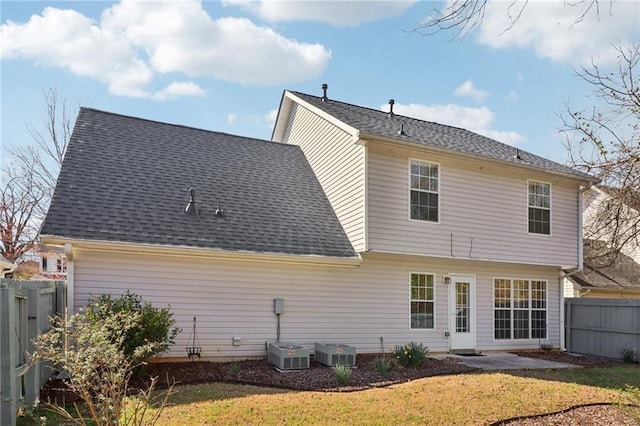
456, 400
461, 399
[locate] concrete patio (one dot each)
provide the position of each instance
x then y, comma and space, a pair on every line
504, 361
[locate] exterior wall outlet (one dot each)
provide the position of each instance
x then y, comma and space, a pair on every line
446, 335
235, 341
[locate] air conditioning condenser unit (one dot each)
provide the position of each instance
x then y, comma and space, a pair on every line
288, 356
333, 354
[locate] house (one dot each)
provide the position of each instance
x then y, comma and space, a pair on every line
609, 276
6, 267
370, 229
52, 263
607, 273
613, 222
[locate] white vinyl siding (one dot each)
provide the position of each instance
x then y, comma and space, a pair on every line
339, 165
366, 306
483, 210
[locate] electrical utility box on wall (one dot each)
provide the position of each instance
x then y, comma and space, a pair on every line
278, 306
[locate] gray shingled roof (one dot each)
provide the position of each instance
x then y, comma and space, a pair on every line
378, 123
126, 179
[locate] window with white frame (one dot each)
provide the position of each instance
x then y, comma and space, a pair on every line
422, 304
520, 309
424, 197
539, 207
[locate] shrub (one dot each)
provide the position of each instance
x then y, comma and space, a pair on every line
343, 374
382, 365
92, 355
627, 355
155, 326
410, 355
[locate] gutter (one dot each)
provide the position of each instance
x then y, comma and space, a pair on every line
564, 275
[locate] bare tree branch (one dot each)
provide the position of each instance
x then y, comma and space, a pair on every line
20, 197
605, 141
463, 16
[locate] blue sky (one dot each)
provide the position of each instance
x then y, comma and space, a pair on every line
223, 65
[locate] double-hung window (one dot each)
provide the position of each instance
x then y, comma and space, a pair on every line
539, 208
422, 304
424, 197
520, 309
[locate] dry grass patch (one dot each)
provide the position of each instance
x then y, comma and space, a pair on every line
461, 399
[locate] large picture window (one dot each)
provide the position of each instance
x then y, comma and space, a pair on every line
425, 182
539, 208
422, 304
520, 309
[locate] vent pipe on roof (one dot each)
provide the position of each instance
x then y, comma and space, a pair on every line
391, 102
324, 92
517, 155
401, 131
192, 209
219, 212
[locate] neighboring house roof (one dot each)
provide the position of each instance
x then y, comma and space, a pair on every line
630, 197
379, 123
607, 272
126, 179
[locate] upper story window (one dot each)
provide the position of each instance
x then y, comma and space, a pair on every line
539, 208
425, 183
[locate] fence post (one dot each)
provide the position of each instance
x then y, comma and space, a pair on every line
7, 357
32, 376
567, 325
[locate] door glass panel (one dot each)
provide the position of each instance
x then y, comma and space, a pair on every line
462, 307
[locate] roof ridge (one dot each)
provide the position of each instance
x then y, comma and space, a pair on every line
184, 126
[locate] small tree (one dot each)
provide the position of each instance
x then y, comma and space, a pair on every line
91, 353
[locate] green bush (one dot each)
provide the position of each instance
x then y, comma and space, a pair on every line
382, 365
91, 353
627, 355
410, 355
343, 374
155, 326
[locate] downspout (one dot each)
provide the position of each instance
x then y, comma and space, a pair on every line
565, 275
68, 251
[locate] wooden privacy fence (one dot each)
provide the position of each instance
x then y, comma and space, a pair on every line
602, 327
25, 308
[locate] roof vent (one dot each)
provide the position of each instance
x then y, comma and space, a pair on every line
391, 102
324, 92
192, 209
219, 212
517, 155
401, 131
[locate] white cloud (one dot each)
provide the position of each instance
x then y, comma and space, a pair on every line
135, 41
231, 118
474, 119
338, 13
175, 90
467, 89
550, 28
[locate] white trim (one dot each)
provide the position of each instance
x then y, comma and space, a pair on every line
439, 192
472, 279
68, 251
469, 259
185, 251
435, 287
542, 208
